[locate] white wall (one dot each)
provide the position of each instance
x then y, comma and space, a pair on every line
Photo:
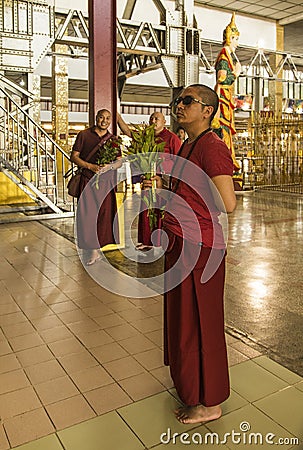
152, 78
142, 118
44, 68
213, 22
145, 11
73, 117
209, 79
79, 5
77, 68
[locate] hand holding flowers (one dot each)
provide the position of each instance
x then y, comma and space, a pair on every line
155, 181
107, 156
109, 151
144, 153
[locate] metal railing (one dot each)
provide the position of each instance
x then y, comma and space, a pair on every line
272, 173
31, 158
272, 156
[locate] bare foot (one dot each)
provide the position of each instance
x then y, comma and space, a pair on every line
94, 257
198, 414
144, 248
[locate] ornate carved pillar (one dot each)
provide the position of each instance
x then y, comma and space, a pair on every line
34, 86
60, 99
276, 87
60, 95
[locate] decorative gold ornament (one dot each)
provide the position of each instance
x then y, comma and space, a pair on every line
230, 30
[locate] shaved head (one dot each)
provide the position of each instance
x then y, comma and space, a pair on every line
158, 120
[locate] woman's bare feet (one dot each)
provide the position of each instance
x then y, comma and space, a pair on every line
198, 414
94, 257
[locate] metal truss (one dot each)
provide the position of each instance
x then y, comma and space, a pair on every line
288, 59
141, 46
71, 29
26, 29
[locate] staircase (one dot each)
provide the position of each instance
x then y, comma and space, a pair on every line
29, 158
33, 161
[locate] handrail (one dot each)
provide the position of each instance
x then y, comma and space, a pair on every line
16, 87
23, 128
30, 158
34, 123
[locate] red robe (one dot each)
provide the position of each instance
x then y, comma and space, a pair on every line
95, 212
194, 340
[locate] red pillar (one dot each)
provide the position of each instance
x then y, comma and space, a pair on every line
102, 58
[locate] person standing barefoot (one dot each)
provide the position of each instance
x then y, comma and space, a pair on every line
194, 339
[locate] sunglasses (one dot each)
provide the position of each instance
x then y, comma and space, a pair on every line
187, 100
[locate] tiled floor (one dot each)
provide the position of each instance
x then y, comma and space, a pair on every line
81, 368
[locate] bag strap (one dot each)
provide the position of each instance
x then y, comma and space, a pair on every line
69, 172
99, 145
174, 190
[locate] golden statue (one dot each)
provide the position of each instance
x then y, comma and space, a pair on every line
228, 68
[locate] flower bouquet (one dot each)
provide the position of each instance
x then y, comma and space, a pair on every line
108, 153
143, 153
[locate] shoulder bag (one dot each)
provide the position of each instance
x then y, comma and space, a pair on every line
73, 186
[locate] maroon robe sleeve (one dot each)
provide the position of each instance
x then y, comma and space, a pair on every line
78, 144
216, 159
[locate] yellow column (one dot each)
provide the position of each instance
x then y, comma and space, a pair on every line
34, 86
60, 99
276, 87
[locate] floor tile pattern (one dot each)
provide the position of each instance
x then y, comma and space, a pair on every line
81, 368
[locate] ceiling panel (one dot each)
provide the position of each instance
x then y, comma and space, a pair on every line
252, 8
279, 15
266, 12
254, 2
218, 2
295, 9
268, 2
237, 4
283, 7
268, 9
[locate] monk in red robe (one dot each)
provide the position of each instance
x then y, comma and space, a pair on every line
95, 212
194, 339
172, 145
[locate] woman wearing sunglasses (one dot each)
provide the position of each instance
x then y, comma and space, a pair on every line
194, 340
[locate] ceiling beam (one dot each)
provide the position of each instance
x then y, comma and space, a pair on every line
293, 18
161, 8
129, 9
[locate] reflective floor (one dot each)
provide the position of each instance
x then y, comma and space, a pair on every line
81, 368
